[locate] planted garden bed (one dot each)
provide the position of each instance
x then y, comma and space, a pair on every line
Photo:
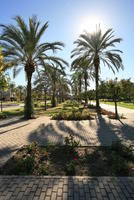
71, 159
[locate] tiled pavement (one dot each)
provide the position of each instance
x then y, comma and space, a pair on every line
17, 132
71, 188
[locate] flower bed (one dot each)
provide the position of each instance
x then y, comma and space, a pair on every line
71, 159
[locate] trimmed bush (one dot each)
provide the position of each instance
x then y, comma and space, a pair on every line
72, 115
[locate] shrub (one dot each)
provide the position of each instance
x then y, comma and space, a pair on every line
22, 166
74, 115
32, 148
125, 151
70, 169
43, 170
36, 105
71, 144
118, 163
3, 116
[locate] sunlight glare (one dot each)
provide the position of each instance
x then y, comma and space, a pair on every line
89, 24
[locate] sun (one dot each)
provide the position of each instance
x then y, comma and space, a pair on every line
90, 24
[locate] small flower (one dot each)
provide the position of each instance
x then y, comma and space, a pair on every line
75, 158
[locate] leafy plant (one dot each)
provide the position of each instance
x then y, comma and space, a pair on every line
70, 169
125, 151
71, 144
3, 116
118, 163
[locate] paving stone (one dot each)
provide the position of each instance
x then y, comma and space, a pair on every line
110, 189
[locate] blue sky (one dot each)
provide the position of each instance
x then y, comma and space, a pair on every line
68, 18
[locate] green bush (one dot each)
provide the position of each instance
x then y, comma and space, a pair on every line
36, 105
23, 166
70, 169
118, 163
72, 115
125, 151
3, 116
71, 144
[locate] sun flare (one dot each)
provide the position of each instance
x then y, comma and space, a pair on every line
90, 24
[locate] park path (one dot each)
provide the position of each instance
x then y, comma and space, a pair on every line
126, 112
16, 132
66, 188
8, 107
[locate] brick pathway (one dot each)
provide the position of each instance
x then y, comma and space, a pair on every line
57, 188
17, 132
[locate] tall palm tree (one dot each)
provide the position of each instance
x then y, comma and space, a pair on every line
63, 88
22, 47
42, 83
55, 72
84, 71
98, 47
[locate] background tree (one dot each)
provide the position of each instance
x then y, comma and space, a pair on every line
114, 90
98, 47
22, 47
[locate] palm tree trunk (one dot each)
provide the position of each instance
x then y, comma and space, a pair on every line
45, 99
80, 84
96, 64
116, 111
86, 100
28, 103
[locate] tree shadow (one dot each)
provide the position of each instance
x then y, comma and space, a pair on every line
6, 153
109, 132
46, 133
12, 121
105, 131
1, 132
77, 134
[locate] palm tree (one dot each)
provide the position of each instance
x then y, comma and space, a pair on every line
84, 71
55, 72
42, 83
63, 88
98, 47
22, 49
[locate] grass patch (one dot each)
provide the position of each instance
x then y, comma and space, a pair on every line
15, 112
121, 104
116, 160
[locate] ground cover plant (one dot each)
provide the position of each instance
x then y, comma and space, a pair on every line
115, 160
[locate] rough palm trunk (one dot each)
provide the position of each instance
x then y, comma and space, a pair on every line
45, 92
28, 111
85, 78
96, 64
80, 84
116, 111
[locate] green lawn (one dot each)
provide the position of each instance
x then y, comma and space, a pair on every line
9, 113
121, 104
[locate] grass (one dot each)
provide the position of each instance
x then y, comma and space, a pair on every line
121, 104
116, 160
9, 113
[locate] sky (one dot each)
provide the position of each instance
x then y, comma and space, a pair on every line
69, 18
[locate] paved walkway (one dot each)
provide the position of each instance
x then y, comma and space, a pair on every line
66, 188
128, 113
17, 132
14, 106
